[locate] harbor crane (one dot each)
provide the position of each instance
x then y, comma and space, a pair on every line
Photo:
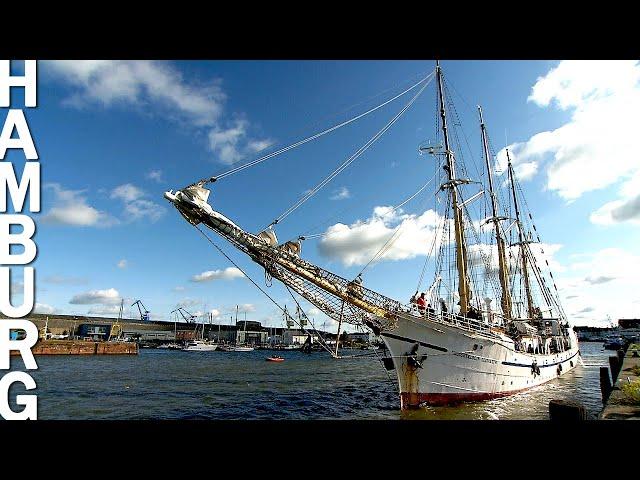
188, 317
143, 316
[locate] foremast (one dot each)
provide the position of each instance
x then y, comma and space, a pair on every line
503, 267
461, 249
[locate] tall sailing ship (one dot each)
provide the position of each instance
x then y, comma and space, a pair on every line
490, 324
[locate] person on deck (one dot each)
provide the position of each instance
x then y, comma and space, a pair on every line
443, 306
473, 313
422, 303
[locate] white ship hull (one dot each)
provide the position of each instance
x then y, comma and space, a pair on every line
201, 347
459, 364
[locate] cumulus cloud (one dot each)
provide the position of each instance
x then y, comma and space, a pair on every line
604, 280
231, 144
155, 175
97, 297
141, 83
135, 205
595, 148
625, 209
122, 263
227, 274
70, 208
357, 243
341, 194
152, 85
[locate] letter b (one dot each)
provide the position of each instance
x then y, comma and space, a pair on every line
23, 238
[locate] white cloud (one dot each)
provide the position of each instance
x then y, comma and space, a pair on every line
600, 284
313, 311
246, 308
44, 308
625, 209
97, 297
70, 208
141, 83
127, 192
341, 194
157, 85
231, 144
357, 243
179, 288
542, 253
155, 175
135, 205
227, 274
596, 147
122, 263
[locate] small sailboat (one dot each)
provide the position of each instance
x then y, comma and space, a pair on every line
451, 343
200, 345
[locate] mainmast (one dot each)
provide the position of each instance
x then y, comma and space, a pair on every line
461, 249
503, 268
525, 272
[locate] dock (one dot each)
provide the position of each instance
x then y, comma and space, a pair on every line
82, 347
622, 396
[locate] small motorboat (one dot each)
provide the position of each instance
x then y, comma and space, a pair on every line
274, 358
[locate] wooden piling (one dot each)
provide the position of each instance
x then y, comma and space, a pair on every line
605, 384
565, 410
614, 364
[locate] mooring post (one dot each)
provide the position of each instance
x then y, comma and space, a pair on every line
614, 363
621, 353
605, 383
565, 410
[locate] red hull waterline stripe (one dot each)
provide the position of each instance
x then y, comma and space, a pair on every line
415, 400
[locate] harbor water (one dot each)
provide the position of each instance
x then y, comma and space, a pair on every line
165, 384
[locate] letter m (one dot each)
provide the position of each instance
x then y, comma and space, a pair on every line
30, 181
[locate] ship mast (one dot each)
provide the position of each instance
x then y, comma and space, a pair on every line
525, 272
503, 268
461, 249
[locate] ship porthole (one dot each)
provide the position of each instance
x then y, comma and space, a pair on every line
475, 346
571, 363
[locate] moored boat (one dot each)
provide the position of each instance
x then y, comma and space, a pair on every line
200, 346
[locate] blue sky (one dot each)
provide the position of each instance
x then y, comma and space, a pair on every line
113, 136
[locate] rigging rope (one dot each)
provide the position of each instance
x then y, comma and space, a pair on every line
351, 159
258, 286
389, 243
317, 135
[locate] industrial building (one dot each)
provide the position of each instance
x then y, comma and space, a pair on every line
99, 328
